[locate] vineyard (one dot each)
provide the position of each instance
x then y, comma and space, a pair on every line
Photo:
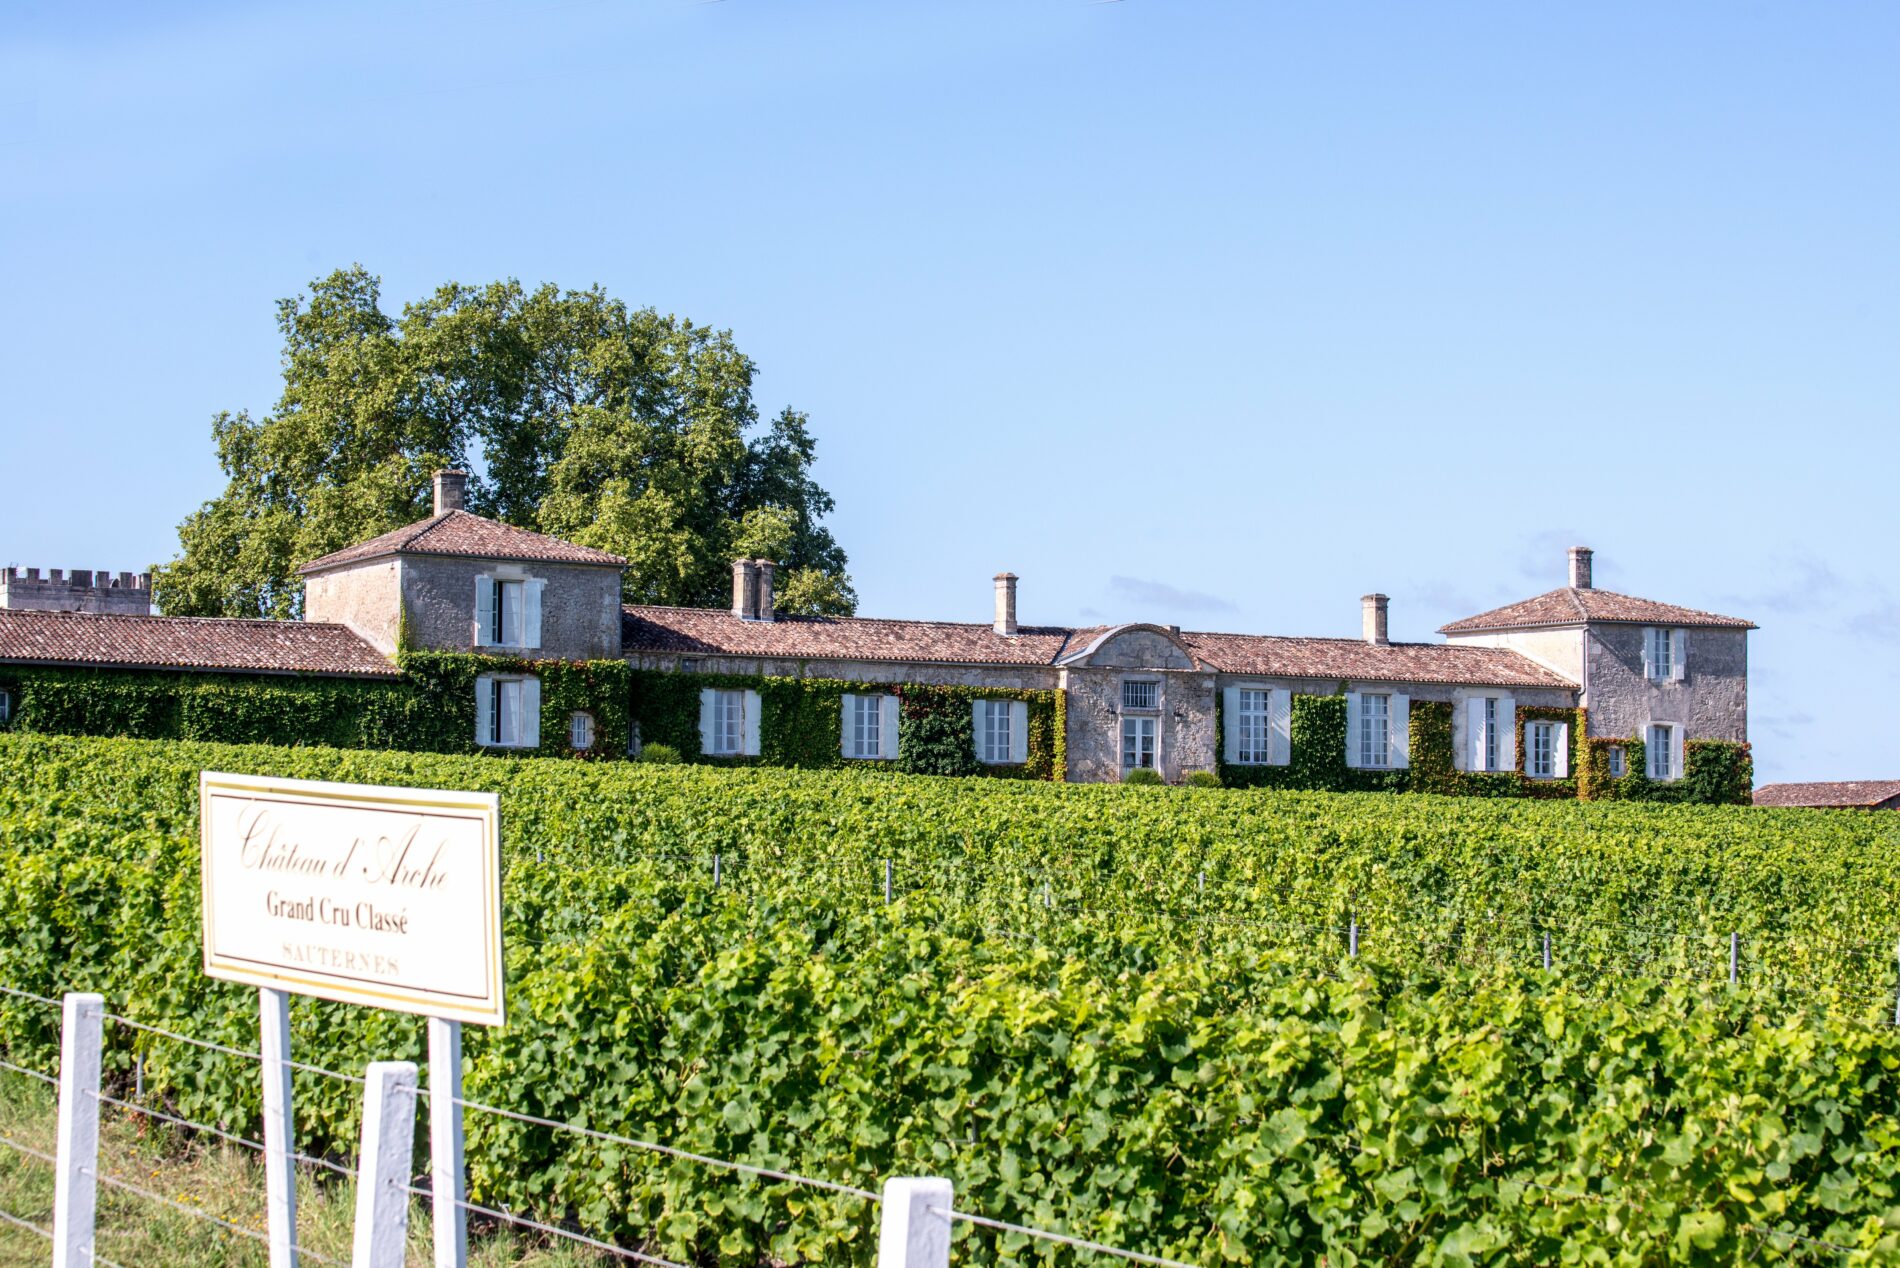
1221, 1026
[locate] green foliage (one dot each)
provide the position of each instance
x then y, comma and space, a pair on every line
1185, 1088
802, 719
1202, 779
660, 754
1716, 773
1143, 776
429, 708
614, 427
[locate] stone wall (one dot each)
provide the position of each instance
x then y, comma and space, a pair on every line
1184, 727
77, 590
580, 606
1007, 677
1711, 702
366, 598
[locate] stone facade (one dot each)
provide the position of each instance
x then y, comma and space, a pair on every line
429, 603
1710, 703
77, 590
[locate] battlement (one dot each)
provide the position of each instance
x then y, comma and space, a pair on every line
76, 590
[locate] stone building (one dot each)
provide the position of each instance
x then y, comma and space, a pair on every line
80, 590
1853, 794
1136, 695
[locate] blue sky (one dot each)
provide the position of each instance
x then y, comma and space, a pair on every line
1223, 314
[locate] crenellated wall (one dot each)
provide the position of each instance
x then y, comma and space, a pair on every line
77, 590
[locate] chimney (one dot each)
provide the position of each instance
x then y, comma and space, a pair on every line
763, 580
450, 486
1006, 603
745, 589
1580, 567
1372, 617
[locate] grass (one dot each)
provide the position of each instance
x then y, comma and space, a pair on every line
211, 1176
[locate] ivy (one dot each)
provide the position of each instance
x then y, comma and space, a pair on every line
1716, 773
429, 707
801, 723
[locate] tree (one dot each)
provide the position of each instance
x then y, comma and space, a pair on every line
577, 416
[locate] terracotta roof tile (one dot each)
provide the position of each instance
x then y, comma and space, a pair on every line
1849, 793
1572, 606
1282, 657
184, 642
464, 535
711, 632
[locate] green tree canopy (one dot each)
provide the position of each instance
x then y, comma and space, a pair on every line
613, 427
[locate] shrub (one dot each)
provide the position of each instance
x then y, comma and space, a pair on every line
1203, 779
1143, 775
660, 754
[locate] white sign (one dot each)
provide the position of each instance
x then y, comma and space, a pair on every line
389, 897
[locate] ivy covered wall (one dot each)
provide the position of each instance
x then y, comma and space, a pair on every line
1718, 773
801, 723
430, 707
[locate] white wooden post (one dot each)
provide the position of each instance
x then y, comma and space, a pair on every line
76, 1178
910, 1234
445, 1143
280, 1174
382, 1165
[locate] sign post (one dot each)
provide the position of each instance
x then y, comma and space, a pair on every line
388, 897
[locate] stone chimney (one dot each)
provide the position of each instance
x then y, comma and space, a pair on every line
766, 569
752, 589
1372, 609
451, 487
1580, 567
1006, 603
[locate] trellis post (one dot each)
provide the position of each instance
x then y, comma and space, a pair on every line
76, 1179
914, 1223
382, 1175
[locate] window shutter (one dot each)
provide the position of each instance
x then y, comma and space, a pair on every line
484, 709
1018, 731
484, 610
848, 713
1678, 766
1507, 732
531, 612
1399, 731
1279, 726
531, 713
1230, 724
1471, 752
1560, 746
1352, 728
751, 724
1679, 655
706, 698
1649, 653
978, 713
887, 727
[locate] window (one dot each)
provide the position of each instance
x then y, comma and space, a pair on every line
1138, 743
689, 665
1540, 750
867, 726
6, 707
507, 712
994, 742
507, 611
1375, 730
728, 723
1619, 761
580, 732
1665, 654
504, 624
1660, 750
1490, 736
1141, 695
1251, 733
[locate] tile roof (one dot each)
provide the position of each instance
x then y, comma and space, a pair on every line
1569, 605
465, 535
712, 632
186, 642
1850, 793
1286, 657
